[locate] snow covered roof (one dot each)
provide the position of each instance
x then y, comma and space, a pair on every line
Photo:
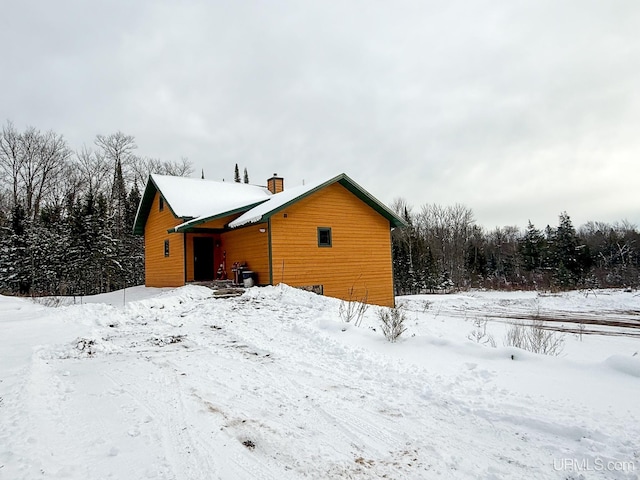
193, 197
198, 200
277, 201
281, 200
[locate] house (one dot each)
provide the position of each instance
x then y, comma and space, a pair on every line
331, 236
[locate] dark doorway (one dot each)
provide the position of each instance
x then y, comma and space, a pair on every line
202, 259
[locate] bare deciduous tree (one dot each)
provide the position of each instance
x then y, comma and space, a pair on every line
31, 162
95, 170
117, 146
447, 231
10, 158
145, 166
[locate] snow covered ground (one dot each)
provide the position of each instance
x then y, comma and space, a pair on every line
176, 384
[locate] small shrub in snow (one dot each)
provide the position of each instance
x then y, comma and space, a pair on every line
392, 320
535, 338
52, 302
479, 333
515, 336
354, 308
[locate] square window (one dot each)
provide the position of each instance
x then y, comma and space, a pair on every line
324, 236
166, 248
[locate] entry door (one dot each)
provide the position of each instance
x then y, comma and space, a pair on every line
202, 259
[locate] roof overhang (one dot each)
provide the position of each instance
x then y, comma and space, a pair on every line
144, 208
348, 183
191, 223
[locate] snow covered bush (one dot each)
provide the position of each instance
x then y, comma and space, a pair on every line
392, 322
535, 338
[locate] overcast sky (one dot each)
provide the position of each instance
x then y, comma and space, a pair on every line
517, 109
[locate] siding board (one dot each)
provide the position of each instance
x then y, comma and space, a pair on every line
161, 271
360, 255
251, 246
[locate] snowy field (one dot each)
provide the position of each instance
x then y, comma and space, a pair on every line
176, 384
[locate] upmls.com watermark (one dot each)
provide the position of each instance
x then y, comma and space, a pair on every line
593, 465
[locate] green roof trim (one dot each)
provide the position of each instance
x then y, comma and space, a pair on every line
344, 180
193, 223
145, 207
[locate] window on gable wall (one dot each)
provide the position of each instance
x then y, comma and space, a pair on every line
161, 203
324, 236
166, 248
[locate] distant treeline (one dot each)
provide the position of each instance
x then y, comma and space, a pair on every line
444, 249
66, 216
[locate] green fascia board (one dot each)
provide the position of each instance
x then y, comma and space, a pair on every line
201, 230
215, 217
353, 187
145, 207
394, 220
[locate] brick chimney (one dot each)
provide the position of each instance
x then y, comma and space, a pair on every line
275, 184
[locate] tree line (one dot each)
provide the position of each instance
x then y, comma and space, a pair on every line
66, 216
444, 249
66, 219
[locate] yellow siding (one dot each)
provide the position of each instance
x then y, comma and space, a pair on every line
251, 246
360, 255
219, 222
161, 271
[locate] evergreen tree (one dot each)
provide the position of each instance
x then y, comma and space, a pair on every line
430, 276
236, 175
531, 249
133, 200
569, 257
17, 267
402, 239
246, 175
132, 260
118, 201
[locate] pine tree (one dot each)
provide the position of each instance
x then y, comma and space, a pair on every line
236, 175
430, 271
476, 261
132, 260
17, 268
569, 256
133, 200
246, 175
401, 254
118, 201
531, 249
